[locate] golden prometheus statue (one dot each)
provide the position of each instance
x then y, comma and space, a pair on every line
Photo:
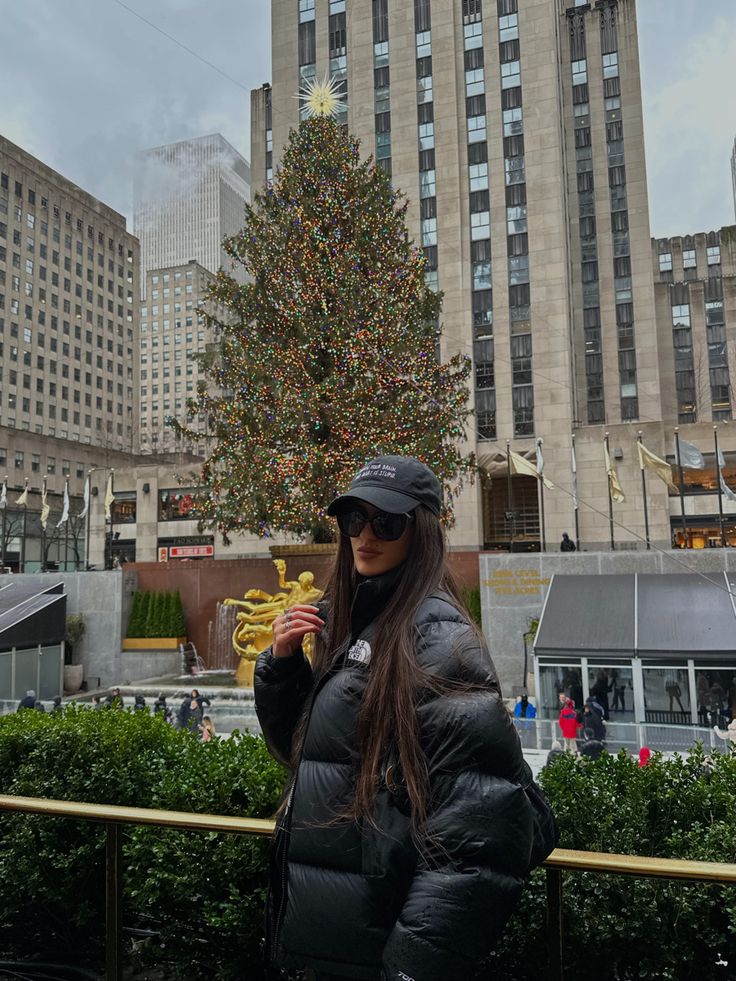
253, 631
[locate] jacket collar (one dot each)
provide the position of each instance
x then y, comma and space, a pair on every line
371, 597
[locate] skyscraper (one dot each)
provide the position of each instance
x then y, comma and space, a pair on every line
514, 127
68, 309
188, 197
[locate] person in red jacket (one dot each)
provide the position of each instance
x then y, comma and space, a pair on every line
569, 723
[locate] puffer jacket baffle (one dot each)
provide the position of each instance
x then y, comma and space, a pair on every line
365, 902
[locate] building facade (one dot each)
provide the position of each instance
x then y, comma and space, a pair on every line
174, 333
521, 153
68, 309
188, 197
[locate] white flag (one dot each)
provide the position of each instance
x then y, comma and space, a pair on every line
4, 495
85, 509
23, 499
45, 508
574, 469
109, 498
725, 489
690, 456
65, 512
540, 458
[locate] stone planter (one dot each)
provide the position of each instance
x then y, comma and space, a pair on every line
73, 676
152, 643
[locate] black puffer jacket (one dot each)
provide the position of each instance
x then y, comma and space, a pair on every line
365, 903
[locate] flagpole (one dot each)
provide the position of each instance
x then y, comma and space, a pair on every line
23, 539
610, 498
644, 492
720, 489
87, 520
680, 481
510, 494
576, 505
66, 530
5, 508
108, 563
541, 500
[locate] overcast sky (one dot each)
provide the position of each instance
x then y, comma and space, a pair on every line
86, 85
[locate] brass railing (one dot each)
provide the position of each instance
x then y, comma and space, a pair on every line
560, 860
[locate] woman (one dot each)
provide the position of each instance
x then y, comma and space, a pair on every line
207, 729
408, 831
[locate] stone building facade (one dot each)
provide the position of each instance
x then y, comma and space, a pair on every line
68, 309
514, 127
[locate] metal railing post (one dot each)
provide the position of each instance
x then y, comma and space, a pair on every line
114, 903
554, 923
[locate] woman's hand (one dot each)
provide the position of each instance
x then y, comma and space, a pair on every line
292, 626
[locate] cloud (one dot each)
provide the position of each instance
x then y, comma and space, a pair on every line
690, 124
92, 85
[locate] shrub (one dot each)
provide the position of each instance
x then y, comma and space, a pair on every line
179, 623
135, 620
636, 928
184, 887
470, 596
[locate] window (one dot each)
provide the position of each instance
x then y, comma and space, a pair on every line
714, 255
689, 260
475, 82
513, 122
665, 261
473, 35
579, 72
508, 28
510, 75
681, 315
610, 65
476, 129
424, 44
480, 225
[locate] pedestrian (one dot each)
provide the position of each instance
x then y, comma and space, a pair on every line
207, 729
139, 703
115, 699
406, 836
524, 708
567, 544
28, 701
593, 725
570, 724
201, 701
645, 755
39, 707
96, 702
555, 751
592, 749
57, 706
191, 717
600, 691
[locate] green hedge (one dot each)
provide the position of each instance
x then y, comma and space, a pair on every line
617, 927
156, 614
200, 894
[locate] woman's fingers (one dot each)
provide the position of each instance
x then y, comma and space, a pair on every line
291, 626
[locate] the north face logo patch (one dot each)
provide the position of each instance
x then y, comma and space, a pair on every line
360, 651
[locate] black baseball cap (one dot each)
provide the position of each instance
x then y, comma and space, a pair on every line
396, 484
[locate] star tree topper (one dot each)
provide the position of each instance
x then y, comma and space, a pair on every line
321, 98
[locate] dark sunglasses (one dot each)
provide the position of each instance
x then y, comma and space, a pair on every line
386, 527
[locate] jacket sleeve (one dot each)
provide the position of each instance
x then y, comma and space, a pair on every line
469, 876
281, 686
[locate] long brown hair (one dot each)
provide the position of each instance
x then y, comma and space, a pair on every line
387, 718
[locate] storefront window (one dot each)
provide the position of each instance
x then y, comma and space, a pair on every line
667, 696
124, 511
555, 680
613, 689
716, 693
179, 505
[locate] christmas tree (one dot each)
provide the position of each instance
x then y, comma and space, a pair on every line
329, 353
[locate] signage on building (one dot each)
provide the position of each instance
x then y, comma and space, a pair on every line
191, 551
163, 554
